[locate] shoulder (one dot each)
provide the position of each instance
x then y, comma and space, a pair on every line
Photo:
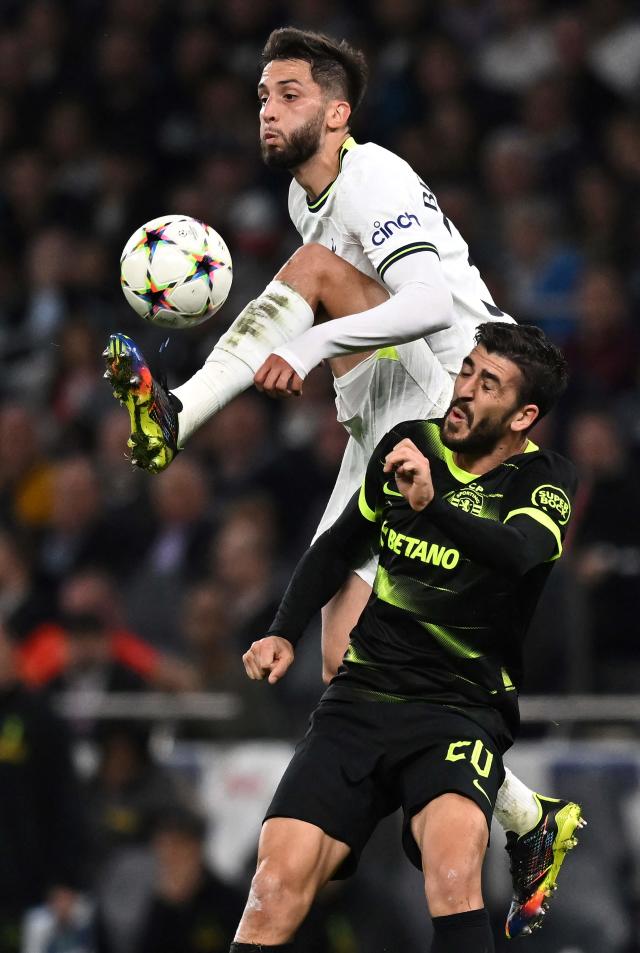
544, 459
372, 163
424, 433
551, 476
544, 487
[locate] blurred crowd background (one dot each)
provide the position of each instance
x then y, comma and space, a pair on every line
524, 118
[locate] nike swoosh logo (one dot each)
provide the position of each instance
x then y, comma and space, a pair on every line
477, 785
387, 489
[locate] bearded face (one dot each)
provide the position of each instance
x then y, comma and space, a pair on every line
461, 432
290, 151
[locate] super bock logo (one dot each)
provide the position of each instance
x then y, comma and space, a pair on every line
469, 499
553, 501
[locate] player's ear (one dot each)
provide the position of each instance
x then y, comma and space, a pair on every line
338, 113
525, 417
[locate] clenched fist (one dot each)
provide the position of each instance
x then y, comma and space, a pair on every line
270, 657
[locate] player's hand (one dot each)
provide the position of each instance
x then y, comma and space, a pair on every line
277, 378
270, 657
412, 473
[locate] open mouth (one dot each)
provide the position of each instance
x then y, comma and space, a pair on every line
457, 415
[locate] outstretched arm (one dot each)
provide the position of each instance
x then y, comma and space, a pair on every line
420, 305
317, 577
323, 569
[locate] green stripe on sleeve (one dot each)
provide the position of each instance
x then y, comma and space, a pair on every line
403, 252
544, 520
365, 509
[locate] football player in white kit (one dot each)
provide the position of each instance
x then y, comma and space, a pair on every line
383, 288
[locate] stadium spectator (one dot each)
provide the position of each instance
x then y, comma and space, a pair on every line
606, 549
541, 270
123, 489
77, 532
24, 602
191, 909
124, 798
591, 101
175, 547
237, 446
604, 350
74, 384
42, 823
243, 562
520, 50
207, 634
46, 653
615, 47
26, 474
599, 215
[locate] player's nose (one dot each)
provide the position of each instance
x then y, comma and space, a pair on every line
465, 387
269, 113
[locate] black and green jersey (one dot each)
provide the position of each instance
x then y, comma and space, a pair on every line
457, 583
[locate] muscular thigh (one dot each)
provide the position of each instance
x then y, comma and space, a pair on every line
442, 751
303, 852
453, 826
330, 782
333, 288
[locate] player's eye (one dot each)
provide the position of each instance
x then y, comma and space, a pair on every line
289, 97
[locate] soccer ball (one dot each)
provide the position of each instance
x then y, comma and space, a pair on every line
175, 271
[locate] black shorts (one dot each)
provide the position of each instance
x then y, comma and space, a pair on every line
361, 760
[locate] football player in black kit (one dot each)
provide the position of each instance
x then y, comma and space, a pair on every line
468, 515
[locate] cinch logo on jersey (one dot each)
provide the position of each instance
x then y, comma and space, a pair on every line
553, 501
382, 232
422, 549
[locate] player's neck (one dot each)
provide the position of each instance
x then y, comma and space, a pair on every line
322, 168
483, 463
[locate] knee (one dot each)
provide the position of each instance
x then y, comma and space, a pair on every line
315, 257
277, 888
453, 885
317, 254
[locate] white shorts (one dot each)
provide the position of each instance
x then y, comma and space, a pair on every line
405, 382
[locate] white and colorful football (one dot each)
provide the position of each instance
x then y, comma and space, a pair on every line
175, 271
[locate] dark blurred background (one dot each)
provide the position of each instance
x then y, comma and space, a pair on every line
524, 118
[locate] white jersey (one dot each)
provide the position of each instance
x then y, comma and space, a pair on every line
378, 211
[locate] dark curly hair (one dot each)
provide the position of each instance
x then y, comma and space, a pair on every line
543, 366
336, 67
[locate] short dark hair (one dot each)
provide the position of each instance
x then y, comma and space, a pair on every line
543, 366
336, 66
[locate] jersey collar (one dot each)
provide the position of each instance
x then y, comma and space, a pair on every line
463, 476
320, 200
